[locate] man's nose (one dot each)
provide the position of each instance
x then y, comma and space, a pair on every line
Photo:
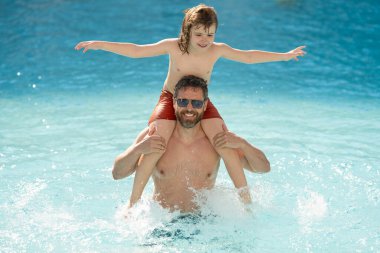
189, 105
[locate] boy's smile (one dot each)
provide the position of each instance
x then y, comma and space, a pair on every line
202, 37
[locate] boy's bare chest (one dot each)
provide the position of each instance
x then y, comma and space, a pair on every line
189, 65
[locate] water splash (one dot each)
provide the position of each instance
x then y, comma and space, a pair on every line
310, 208
222, 222
27, 192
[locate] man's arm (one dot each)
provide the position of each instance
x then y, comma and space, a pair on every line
253, 159
145, 143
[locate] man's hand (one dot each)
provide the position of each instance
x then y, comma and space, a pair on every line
152, 143
293, 54
227, 139
94, 45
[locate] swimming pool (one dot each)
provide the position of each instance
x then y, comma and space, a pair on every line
65, 116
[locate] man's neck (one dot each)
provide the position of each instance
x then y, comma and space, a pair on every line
188, 135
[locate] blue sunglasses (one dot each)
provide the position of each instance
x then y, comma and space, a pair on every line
183, 102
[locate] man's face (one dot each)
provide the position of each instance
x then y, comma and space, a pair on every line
189, 116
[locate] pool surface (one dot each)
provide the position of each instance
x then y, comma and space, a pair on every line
64, 117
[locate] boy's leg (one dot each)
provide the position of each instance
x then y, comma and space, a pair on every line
230, 157
147, 163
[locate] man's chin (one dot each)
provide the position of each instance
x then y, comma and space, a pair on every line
187, 123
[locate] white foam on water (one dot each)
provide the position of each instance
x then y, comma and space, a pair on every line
142, 218
310, 208
221, 217
27, 192
220, 201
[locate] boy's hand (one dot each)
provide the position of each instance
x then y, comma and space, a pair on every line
227, 139
94, 45
152, 143
293, 54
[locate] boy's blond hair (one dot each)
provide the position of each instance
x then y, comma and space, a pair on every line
194, 17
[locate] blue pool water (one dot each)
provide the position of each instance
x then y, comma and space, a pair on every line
64, 116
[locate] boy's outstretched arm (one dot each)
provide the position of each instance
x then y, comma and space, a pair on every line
125, 163
252, 158
128, 49
256, 56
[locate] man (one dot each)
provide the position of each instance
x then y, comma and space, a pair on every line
190, 161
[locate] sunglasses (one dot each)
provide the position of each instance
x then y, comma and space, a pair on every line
196, 104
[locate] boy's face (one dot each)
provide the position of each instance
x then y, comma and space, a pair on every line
202, 38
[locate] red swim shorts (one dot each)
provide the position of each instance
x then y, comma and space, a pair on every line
164, 109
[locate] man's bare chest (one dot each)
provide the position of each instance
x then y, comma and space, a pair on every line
187, 163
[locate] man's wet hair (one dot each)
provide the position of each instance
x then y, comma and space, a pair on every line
193, 82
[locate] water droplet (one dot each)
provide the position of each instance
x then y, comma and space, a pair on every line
34, 86
18, 73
